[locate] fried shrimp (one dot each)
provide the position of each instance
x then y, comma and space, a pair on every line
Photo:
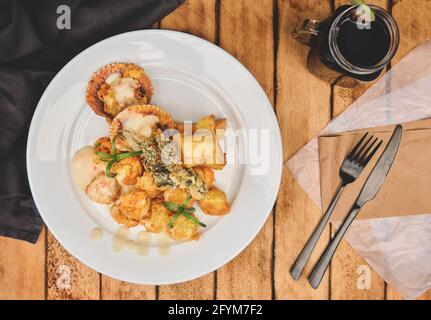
178, 196
103, 190
184, 230
159, 217
134, 205
147, 184
206, 174
215, 203
128, 170
122, 219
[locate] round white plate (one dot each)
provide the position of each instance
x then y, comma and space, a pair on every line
192, 78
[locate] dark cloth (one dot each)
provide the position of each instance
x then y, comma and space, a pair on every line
32, 51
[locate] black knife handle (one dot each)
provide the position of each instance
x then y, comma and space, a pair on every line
319, 269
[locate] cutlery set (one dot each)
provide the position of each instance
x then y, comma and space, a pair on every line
350, 170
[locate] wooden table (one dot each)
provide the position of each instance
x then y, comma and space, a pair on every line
258, 33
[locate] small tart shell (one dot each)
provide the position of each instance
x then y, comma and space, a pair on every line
99, 78
165, 119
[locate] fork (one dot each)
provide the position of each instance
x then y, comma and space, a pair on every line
350, 170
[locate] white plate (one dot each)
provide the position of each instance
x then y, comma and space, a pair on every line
192, 78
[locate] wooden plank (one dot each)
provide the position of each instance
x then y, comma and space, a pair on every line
198, 18
199, 289
113, 289
413, 21
392, 294
246, 31
303, 108
351, 276
195, 17
412, 17
67, 277
22, 269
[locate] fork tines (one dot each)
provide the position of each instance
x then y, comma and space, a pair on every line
363, 152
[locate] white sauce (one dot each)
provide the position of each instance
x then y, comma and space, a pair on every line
113, 77
164, 244
140, 124
124, 90
83, 169
143, 243
96, 234
120, 239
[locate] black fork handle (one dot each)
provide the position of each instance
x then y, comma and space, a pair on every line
305, 254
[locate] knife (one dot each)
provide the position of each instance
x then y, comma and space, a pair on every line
369, 191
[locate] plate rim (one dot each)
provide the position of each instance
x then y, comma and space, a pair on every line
279, 146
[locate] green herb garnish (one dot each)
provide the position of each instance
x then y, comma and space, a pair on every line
182, 210
113, 157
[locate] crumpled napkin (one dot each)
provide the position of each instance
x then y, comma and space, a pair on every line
402, 193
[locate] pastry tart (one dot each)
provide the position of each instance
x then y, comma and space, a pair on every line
138, 122
116, 86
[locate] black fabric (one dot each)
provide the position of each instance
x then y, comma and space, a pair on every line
32, 51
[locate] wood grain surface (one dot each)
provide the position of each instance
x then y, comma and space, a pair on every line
303, 109
351, 276
257, 33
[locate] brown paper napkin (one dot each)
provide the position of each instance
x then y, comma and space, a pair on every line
407, 189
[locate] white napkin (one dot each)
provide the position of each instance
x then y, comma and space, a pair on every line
401, 95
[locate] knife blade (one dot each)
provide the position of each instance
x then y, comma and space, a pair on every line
368, 192
381, 169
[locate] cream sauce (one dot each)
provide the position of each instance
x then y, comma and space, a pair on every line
83, 169
140, 125
164, 244
141, 246
143, 243
120, 239
124, 90
96, 234
112, 78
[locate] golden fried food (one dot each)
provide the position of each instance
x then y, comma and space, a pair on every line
184, 230
134, 205
206, 123
116, 86
147, 184
201, 149
206, 174
122, 219
215, 203
101, 145
128, 170
178, 196
159, 217
103, 190
221, 124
